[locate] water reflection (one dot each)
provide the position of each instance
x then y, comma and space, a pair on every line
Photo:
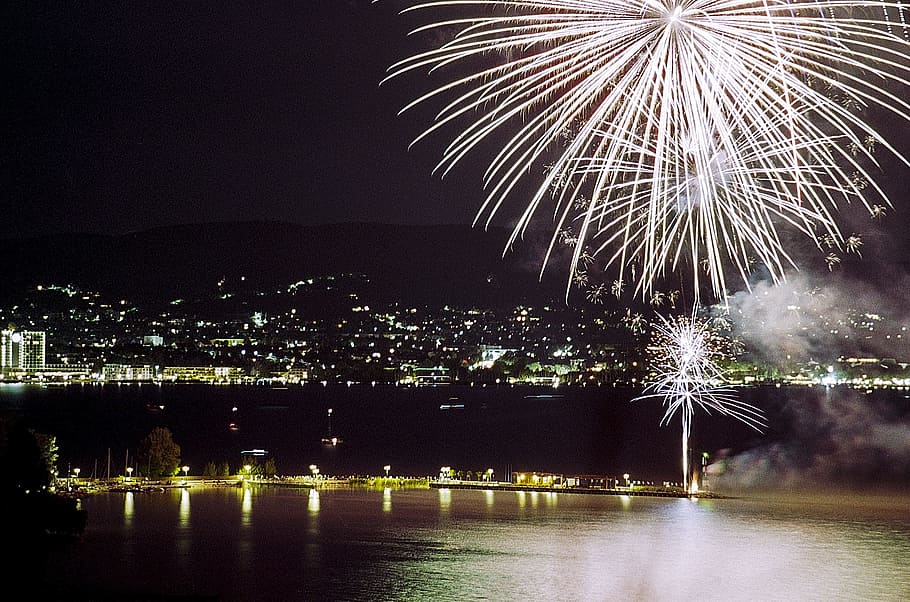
445, 500
184, 534
129, 507
313, 502
617, 547
246, 506
184, 509
387, 499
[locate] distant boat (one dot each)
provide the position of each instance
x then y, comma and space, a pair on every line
330, 440
233, 426
451, 406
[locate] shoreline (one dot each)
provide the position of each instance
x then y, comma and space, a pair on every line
631, 492
383, 483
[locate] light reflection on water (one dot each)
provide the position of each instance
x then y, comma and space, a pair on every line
455, 545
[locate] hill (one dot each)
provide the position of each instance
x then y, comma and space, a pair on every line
447, 264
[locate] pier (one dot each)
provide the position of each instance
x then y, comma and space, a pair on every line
635, 491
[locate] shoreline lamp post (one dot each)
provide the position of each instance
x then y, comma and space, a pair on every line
387, 468
186, 471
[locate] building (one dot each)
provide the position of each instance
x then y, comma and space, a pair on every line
209, 374
418, 375
152, 340
127, 373
22, 352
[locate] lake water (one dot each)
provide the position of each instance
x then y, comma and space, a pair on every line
279, 544
593, 430
268, 543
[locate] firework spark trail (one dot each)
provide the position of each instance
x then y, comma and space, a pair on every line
688, 377
688, 131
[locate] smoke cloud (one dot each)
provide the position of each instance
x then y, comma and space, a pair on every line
827, 438
813, 318
824, 437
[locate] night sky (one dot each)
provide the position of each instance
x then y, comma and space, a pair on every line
124, 116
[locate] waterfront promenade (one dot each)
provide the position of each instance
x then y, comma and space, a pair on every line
638, 491
307, 482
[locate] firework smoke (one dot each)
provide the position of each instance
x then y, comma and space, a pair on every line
835, 438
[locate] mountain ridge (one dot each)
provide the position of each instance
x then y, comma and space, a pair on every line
453, 263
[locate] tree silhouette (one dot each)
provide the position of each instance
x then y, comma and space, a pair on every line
158, 454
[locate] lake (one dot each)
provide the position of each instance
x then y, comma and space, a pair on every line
270, 543
597, 430
817, 436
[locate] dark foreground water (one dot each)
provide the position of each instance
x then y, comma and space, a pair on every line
266, 543
816, 436
597, 430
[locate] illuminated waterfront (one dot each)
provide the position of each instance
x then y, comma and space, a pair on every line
280, 544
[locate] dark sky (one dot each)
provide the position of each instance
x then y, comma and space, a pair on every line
121, 116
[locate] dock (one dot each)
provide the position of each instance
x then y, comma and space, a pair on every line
635, 491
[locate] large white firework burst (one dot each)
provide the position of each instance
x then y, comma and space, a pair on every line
673, 131
686, 356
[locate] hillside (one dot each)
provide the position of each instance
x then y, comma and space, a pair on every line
448, 264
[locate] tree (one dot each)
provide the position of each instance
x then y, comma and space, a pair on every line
270, 469
158, 453
27, 458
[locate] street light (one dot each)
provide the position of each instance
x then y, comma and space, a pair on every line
129, 471
387, 468
489, 475
186, 470
315, 470
76, 472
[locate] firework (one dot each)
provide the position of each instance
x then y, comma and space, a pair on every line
669, 132
687, 354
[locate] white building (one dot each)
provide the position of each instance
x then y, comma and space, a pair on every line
152, 340
126, 372
22, 351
